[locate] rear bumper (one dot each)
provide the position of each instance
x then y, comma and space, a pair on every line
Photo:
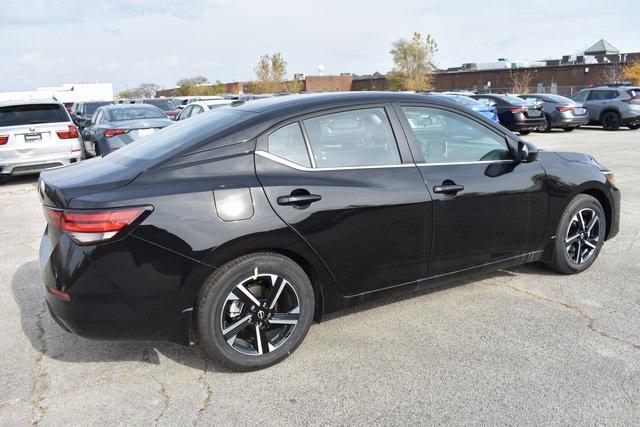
132, 291
570, 122
528, 125
37, 164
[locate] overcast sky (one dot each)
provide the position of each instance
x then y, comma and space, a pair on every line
128, 42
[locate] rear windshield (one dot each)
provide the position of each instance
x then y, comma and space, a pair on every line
91, 107
163, 104
134, 113
32, 114
465, 100
514, 100
558, 99
174, 138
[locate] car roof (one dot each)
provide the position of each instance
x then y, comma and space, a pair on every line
330, 99
29, 102
126, 106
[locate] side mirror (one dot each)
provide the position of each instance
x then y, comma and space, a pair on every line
527, 153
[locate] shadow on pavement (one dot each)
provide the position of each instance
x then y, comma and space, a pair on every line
47, 337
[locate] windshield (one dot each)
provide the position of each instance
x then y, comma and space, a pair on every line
179, 136
31, 114
91, 107
135, 113
163, 104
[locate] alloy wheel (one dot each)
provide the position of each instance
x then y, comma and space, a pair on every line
260, 314
582, 236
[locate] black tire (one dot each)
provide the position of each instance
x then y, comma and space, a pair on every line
524, 132
3, 178
633, 127
563, 260
546, 127
610, 121
96, 149
568, 129
213, 309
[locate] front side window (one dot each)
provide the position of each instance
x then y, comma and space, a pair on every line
196, 110
447, 137
352, 138
288, 143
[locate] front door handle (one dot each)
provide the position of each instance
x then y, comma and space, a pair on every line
298, 200
448, 189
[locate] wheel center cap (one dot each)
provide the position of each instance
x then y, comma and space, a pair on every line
260, 314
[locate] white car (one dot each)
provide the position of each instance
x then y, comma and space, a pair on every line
198, 107
36, 135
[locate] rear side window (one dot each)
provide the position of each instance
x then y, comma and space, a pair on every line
601, 95
634, 93
581, 96
32, 114
352, 138
288, 143
447, 137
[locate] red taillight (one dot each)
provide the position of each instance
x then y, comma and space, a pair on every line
563, 109
113, 132
518, 110
71, 132
93, 226
59, 294
4, 139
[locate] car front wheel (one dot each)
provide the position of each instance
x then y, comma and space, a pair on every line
633, 127
580, 235
254, 311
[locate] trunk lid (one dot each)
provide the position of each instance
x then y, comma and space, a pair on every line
58, 186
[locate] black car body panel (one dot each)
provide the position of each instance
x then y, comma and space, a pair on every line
529, 119
374, 232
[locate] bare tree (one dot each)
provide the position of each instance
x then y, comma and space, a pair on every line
612, 73
145, 90
522, 79
271, 72
412, 58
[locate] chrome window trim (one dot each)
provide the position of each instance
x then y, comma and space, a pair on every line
293, 165
478, 162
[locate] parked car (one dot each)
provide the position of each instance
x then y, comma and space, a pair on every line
486, 110
180, 101
115, 126
514, 113
36, 135
198, 107
163, 104
83, 111
611, 106
559, 112
247, 223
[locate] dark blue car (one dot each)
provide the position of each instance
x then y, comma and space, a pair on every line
488, 111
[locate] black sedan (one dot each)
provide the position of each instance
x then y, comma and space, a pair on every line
247, 223
114, 126
514, 113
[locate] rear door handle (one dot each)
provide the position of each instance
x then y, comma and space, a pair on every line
298, 200
449, 189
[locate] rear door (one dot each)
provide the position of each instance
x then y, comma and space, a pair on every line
486, 207
345, 181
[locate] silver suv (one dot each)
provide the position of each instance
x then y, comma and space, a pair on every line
611, 106
36, 135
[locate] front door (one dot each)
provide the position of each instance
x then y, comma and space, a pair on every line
487, 207
346, 183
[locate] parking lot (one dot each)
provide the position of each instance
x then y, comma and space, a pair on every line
524, 345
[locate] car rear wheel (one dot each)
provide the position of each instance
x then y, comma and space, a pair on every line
546, 127
610, 121
254, 311
524, 132
633, 127
568, 129
3, 178
580, 235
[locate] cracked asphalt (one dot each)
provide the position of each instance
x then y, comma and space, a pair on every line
517, 346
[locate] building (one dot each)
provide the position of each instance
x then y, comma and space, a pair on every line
67, 93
